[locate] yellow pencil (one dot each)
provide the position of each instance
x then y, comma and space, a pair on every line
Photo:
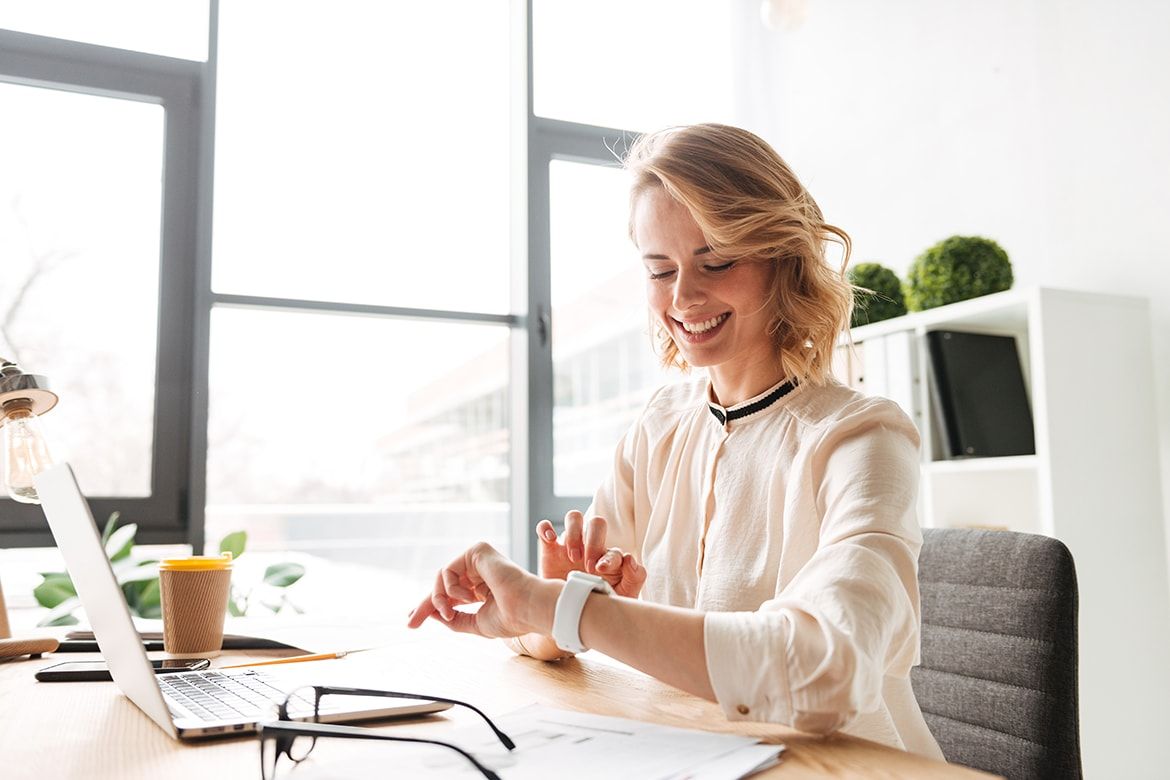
295, 659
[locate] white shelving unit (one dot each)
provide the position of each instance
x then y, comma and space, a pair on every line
1093, 483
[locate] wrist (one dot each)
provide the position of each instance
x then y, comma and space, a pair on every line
542, 606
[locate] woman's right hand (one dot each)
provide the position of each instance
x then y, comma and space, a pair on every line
583, 548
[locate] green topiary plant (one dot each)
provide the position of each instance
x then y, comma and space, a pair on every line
881, 296
956, 269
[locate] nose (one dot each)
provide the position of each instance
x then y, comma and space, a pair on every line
688, 290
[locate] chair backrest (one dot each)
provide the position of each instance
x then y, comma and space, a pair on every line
998, 680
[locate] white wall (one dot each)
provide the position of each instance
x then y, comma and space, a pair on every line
1044, 124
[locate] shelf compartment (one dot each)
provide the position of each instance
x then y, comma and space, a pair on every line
982, 497
973, 465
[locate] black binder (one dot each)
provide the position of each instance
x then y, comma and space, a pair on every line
979, 397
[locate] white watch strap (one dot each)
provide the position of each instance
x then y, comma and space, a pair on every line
567, 618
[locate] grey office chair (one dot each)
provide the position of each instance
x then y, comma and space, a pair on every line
998, 680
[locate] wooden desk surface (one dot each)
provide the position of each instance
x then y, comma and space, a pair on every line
74, 730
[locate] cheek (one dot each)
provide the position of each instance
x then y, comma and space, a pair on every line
755, 290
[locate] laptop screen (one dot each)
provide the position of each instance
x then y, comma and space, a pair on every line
77, 537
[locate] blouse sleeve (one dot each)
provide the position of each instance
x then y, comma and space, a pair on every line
815, 656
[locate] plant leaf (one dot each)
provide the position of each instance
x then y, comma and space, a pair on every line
150, 600
234, 609
234, 543
54, 590
120, 541
110, 524
143, 572
62, 614
281, 575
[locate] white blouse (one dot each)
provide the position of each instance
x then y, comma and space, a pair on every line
792, 524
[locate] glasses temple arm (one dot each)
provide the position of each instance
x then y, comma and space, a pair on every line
356, 732
322, 690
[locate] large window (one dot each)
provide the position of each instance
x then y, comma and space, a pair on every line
359, 385
80, 201
420, 321
98, 211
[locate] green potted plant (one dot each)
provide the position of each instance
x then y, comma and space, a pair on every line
877, 294
139, 580
955, 269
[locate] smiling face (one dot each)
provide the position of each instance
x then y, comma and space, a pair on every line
716, 311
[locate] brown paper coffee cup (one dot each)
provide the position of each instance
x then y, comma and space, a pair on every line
194, 600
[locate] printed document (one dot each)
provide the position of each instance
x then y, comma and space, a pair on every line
552, 743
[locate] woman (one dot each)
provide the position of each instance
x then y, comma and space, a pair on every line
764, 513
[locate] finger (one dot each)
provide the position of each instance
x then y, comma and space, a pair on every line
465, 623
546, 533
439, 597
551, 555
420, 613
454, 588
633, 576
594, 542
610, 562
574, 522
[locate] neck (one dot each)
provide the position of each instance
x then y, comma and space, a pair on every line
733, 384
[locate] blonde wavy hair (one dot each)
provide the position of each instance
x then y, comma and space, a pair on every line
751, 207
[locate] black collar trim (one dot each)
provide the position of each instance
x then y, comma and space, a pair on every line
757, 406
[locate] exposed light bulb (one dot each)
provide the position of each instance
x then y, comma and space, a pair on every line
25, 454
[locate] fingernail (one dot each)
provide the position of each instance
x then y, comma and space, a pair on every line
549, 535
573, 554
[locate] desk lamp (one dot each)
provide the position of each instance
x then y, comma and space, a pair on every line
22, 398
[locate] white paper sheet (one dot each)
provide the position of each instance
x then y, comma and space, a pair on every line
553, 743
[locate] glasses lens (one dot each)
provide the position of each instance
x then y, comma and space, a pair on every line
299, 748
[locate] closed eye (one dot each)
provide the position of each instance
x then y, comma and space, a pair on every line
661, 274
720, 267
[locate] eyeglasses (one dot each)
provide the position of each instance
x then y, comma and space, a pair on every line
295, 739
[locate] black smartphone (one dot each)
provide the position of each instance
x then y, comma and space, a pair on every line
97, 671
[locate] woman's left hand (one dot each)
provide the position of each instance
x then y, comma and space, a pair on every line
482, 574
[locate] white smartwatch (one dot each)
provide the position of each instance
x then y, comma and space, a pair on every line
567, 618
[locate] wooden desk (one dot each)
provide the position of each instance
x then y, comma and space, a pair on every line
76, 730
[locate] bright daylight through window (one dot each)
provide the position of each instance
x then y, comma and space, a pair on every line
79, 234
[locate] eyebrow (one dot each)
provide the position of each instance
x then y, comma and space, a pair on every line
700, 251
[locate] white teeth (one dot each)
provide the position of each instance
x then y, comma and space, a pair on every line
703, 327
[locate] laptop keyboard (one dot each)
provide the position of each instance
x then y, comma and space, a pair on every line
213, 696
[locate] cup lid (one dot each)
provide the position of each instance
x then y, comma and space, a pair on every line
197, 563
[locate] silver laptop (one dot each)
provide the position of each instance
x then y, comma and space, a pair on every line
186, 705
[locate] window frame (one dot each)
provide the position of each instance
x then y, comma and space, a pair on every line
549, 140
178, 86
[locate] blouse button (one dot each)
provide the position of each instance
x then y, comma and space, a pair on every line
742, 709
